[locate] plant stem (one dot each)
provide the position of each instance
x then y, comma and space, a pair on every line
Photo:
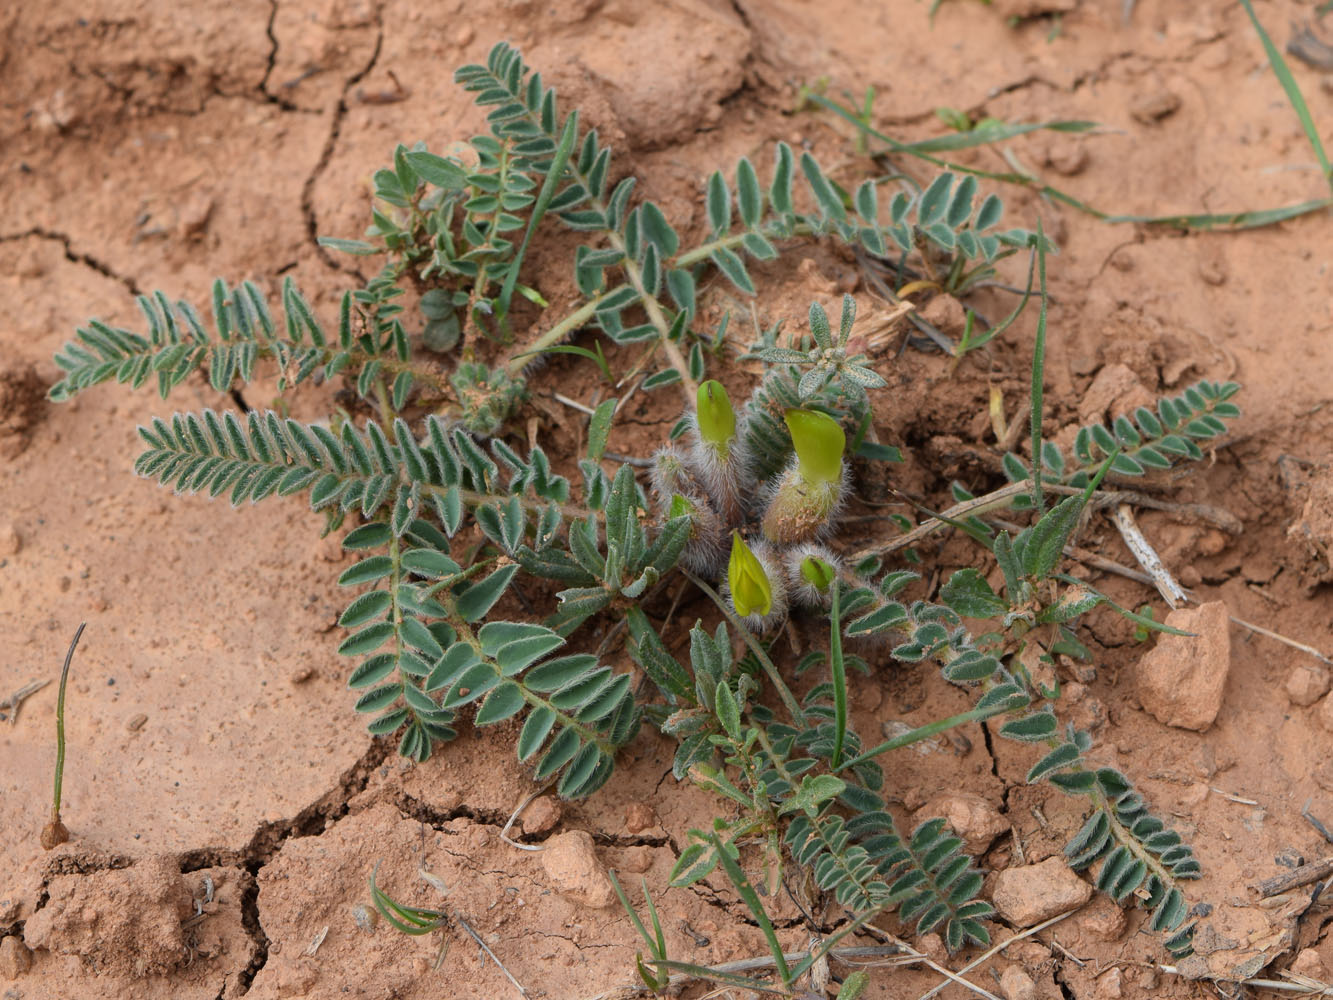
557, 333
838, 670
1038, 376
924, 732
60, 722
54, 832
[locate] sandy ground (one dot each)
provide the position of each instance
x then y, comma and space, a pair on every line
226, 806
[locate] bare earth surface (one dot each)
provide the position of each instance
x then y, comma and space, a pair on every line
226, 806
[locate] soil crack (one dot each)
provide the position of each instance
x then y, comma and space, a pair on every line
268, 95
331, 143
74, 256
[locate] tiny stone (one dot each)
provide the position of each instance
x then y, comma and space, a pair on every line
1190, 576
1306, 684
194, 216
946, 314
136, 722
1212, 272
10, 541
932, 945
1181, 680
968, 815
464, 35
15, 958
639, 816
1016, 984
1109, 986
571, 863
1083, 365
365, 918
1149, 109
1029, 894
1067, 156
637, 860
1101, 920
541, 816
1308, 963
301, 674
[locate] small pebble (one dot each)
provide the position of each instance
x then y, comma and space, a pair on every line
136, 722
1029, 894
639, 817
1067, 156
1016, 984
10, 540
541, 816
1149, 109
1306, 684
15, 959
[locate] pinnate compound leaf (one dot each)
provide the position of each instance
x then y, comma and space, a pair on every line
478, 599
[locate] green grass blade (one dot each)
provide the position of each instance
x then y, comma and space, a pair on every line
1204, 222
1283, 73
1039, 373
554, 175
1223, 222
986, 134
838, 668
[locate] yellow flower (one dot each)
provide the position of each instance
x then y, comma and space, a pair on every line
717, 420
819, 443
751, 591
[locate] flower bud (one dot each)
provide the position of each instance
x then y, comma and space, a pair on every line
819, 443
705, 550
806, 500
717, 420
754, 585
718, 456
677, 493
811, 570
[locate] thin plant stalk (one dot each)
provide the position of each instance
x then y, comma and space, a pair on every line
1039, 375
838, 669
55, 833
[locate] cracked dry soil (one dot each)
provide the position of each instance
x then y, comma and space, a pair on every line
225, 806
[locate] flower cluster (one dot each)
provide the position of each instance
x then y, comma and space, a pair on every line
711, 481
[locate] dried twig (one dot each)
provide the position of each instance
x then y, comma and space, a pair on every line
1310, 818
15, 700
438, 884
949, 975
1147, 557
997, 948
1295, 878
631, 990
504, 834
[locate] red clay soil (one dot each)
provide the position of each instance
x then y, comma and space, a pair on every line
225, 804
